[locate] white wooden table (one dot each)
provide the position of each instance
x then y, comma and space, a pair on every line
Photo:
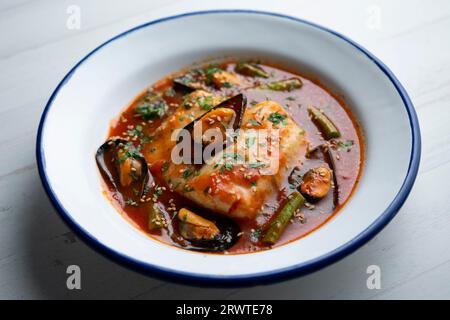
37, 50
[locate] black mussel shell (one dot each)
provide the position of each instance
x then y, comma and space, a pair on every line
228, 236
295, 177
189, 82
237, 103
108, 161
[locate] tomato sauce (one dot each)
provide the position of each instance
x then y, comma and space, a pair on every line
347, 152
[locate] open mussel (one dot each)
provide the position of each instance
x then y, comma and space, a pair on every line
216, 234
323, 153
236, 104
316, 183
225, 116
123, 168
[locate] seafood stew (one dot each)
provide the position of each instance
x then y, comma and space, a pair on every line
231, 157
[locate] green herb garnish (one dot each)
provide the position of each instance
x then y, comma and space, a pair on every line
346, 145
131, 202
151, 110
277, 118
187, 173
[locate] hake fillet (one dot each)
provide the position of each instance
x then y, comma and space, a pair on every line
232, 184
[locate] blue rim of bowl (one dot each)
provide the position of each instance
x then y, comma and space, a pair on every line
256, 278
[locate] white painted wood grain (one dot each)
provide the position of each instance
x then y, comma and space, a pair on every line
37, 50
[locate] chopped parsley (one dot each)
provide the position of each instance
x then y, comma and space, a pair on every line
210, 71
187, 173
199, 77
129, 151
151, 110
255, 235
136, 132
346, 145
131, 202
206, 103
165, 166
226, 166
277, 118
158, 192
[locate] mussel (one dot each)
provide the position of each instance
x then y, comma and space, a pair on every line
207, 235
123, 168
322, 152
190, 81
316, 183
204, 79
228, 120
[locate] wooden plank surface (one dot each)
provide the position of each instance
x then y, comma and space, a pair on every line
413, 252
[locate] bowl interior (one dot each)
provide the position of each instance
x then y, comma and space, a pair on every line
78, 118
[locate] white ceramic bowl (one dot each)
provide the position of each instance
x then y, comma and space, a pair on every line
76, 118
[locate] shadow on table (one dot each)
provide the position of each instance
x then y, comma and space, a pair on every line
51, 247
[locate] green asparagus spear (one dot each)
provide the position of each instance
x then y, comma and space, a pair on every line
325, 125
250, 69
283, 85
279, 223
156, 219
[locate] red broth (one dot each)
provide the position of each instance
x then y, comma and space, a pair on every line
347, 152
